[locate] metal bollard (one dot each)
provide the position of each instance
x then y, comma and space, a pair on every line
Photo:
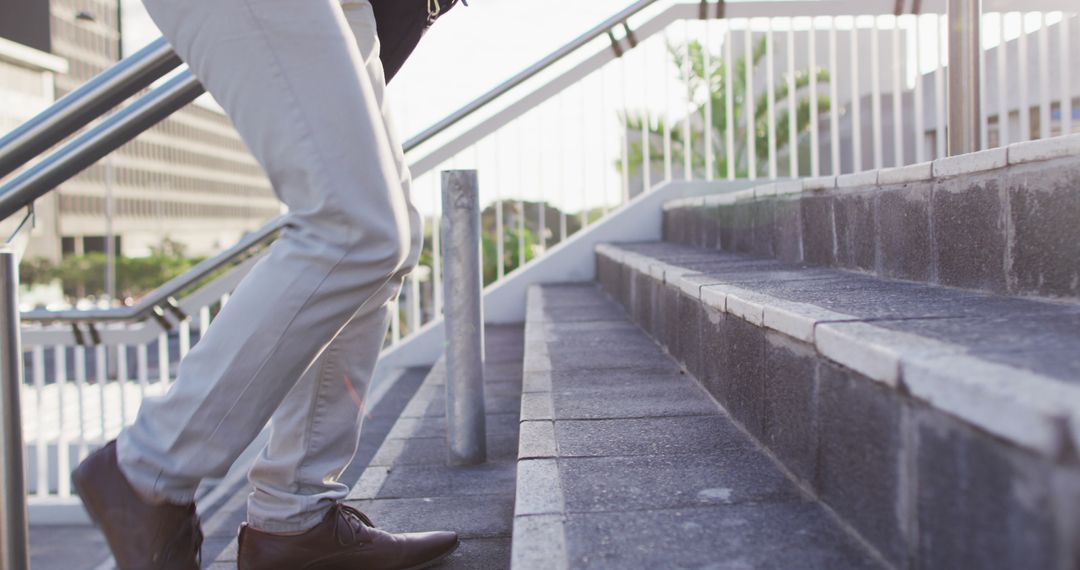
14, 550
965, 103
464, 316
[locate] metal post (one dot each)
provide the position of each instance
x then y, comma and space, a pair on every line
14, 550
462, 284
965, 43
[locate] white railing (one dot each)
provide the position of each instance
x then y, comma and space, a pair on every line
869, 92
85, 381
834, 86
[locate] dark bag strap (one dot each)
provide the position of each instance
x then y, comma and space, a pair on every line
401, 24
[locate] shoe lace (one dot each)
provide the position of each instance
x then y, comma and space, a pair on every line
353, 520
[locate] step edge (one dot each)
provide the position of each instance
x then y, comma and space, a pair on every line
1051, 412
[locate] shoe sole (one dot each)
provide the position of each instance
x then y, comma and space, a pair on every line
428, 564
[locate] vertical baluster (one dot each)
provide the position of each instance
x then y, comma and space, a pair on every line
583, 124
521, 193
688, 133
1064, 55
625, 81
41, 445
984, 96
184, 332
899, 60
812, 76
707, 66
793, 116
436, 246
225, 299
122, 380
749, 104
142, 366
1024, 79
834, 96
920, 118
875, 90
770, 89
542, 169
500, 230
414, 303
665, 77
646, 121
941, 54
602, 116
63, 463
1044, 78
204, 320
561, 150
163, 358
729, 99
856, 99
102, 378
80, 391
1002, 86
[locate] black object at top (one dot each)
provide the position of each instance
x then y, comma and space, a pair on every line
401, 24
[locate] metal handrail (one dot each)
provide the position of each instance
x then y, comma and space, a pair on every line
86, 104
163, 295
505, 87
114, 85
95, 144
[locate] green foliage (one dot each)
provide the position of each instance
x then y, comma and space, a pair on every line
511, 252
713, 90
84, 275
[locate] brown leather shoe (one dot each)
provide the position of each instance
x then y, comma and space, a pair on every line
142, 536
345, 540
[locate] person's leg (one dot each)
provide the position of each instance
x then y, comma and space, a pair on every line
291, 78
315, 431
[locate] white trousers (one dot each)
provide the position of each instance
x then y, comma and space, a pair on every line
297, 343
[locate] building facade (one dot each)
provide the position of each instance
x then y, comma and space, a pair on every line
189, 179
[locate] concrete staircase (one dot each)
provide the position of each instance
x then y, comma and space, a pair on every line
626, 462
895, 359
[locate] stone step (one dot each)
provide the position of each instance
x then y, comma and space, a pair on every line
940, 424
408, 486
626, 462
1003, 220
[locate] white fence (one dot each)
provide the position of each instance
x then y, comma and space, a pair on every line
769, 90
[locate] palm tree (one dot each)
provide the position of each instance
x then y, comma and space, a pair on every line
699, 89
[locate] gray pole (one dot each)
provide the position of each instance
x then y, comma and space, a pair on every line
110, 234
14, 552
965, 105
462, 284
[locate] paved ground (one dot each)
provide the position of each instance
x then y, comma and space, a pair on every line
409, 487
631, 464
83, 548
